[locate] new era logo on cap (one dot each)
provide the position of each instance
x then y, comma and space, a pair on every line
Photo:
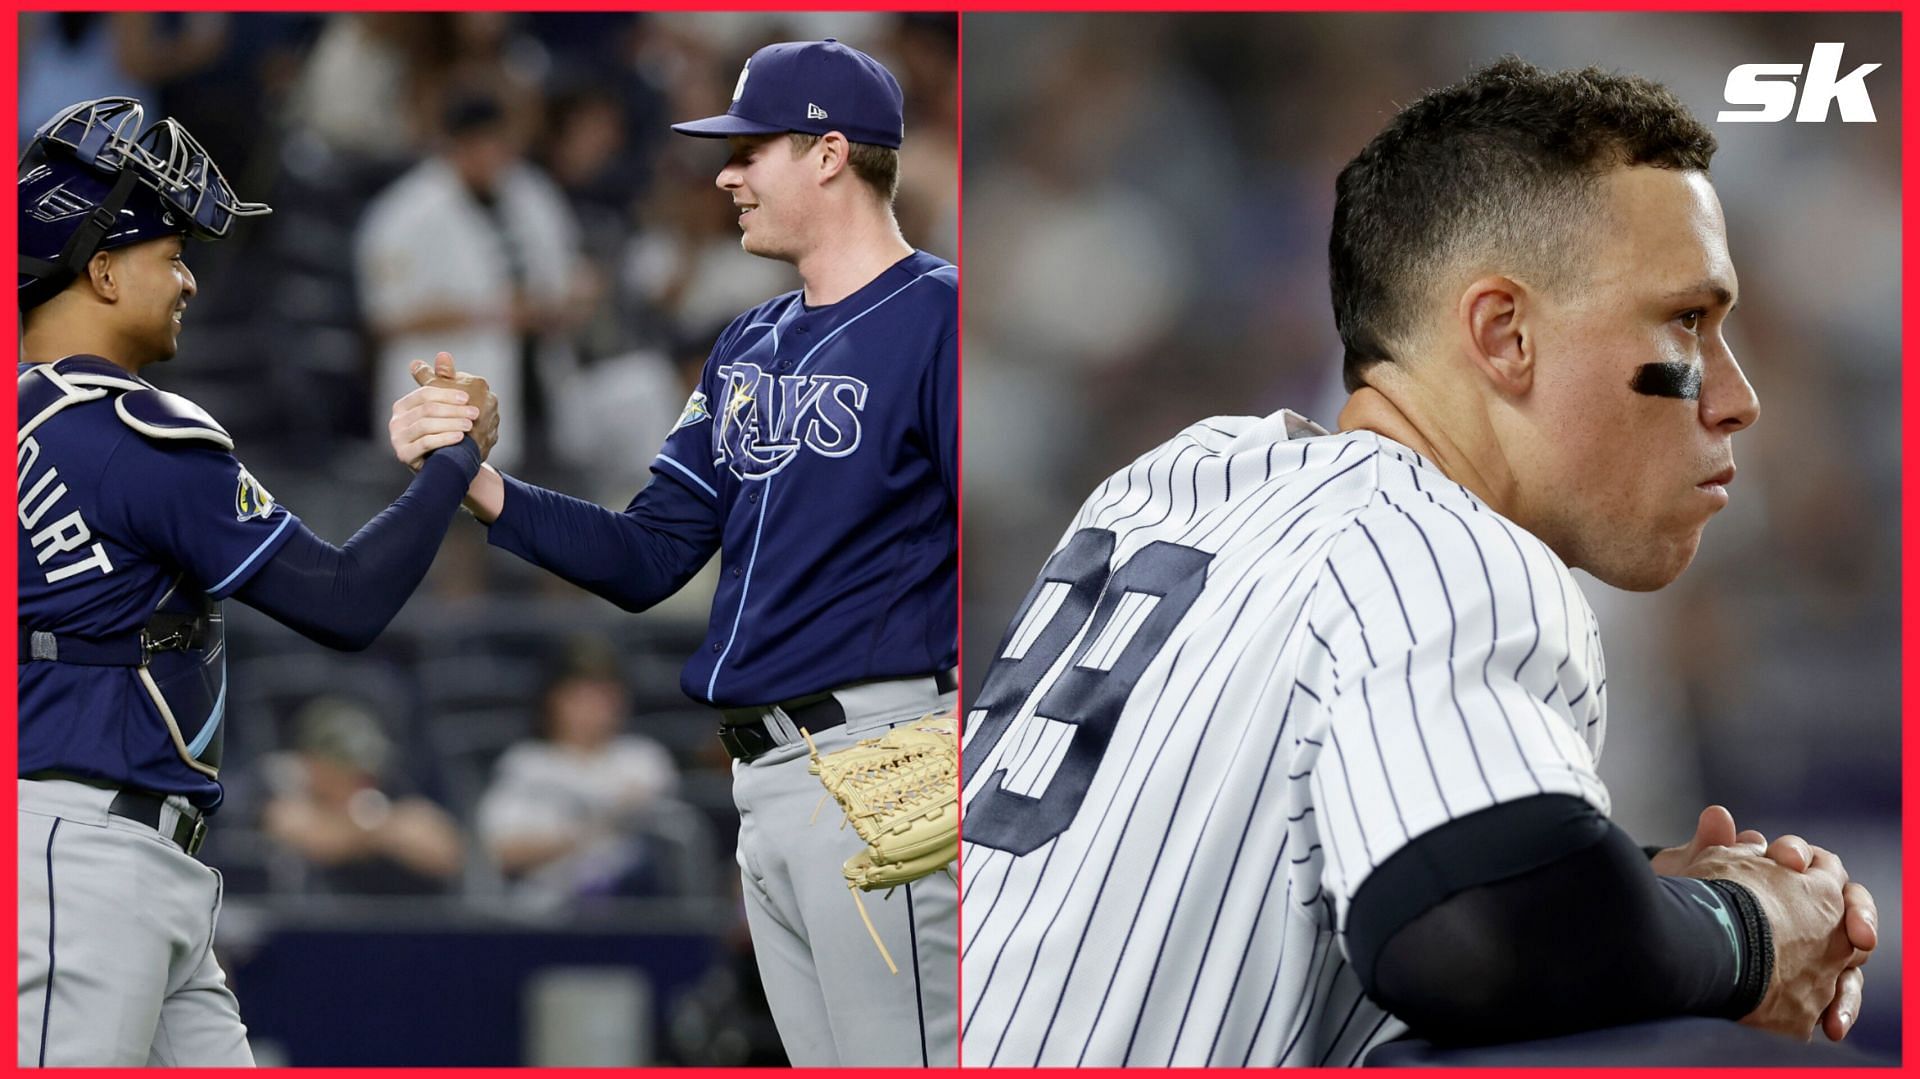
813, 87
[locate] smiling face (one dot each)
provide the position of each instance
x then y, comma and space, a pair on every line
154, 287
775, 192
1619, 470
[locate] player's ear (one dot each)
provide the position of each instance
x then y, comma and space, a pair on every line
100, 274
833, 150
1492, 319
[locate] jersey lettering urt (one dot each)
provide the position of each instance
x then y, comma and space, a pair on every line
1262, 659
132, 505
824, 439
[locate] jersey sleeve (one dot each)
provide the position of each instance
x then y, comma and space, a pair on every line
1441, 640
198, 508
940, 412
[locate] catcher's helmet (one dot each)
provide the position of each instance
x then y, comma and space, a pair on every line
94, 178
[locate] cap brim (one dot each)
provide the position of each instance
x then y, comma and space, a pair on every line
725, 126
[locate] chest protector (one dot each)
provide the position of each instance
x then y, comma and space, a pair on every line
180, 654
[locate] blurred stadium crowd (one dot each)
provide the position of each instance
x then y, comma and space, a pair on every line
511, 774
1148, 203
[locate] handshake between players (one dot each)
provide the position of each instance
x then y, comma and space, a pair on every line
448, 406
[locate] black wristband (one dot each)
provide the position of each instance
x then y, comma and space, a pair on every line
1756, 961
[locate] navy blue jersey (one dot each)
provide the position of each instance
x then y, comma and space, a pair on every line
128, 505
819, 455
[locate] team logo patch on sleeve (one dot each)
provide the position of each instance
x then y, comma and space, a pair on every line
695, 411
250, 498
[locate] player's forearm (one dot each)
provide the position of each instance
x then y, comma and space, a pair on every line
344, 597
633, 559
1585, 939
486, 495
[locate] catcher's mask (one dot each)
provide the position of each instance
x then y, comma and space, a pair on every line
94, 178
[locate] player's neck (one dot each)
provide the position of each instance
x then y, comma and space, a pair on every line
56, 339
851, 258
1462, 460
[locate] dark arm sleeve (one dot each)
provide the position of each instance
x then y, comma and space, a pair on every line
343, 597
634, 558
1541, 917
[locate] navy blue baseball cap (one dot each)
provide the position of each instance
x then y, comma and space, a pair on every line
814, 87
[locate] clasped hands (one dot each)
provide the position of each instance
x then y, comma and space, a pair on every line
447, 407
1824, 925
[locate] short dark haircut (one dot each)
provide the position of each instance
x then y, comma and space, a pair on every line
1505, 161
877, 166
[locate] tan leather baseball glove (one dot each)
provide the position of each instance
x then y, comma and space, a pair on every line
901, 794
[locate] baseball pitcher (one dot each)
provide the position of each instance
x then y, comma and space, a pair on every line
818, 458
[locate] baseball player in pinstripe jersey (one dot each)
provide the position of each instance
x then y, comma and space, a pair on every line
1291, 747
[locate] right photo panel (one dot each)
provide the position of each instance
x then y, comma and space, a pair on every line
1432, 539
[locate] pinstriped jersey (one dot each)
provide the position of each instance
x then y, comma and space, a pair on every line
1262, 659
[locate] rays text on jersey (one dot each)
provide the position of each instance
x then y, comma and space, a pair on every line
765, 419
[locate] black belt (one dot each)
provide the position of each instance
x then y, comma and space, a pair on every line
189, 832
818, 712
162, 633
745, 741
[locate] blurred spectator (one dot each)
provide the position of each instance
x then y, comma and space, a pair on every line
84, 54
566, 815
922, 47
585, 151
355, 92
485, 52
378, 84
686, 264
473, 252
334, 807
77, 55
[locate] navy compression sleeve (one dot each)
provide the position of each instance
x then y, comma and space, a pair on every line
343, 597
1540, 917
634, 558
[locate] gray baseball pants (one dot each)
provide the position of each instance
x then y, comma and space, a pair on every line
116, 941
832, 997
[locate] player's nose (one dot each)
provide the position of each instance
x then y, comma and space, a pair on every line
189, 287
1728, 402
728, 179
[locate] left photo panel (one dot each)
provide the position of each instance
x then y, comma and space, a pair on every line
488, 556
